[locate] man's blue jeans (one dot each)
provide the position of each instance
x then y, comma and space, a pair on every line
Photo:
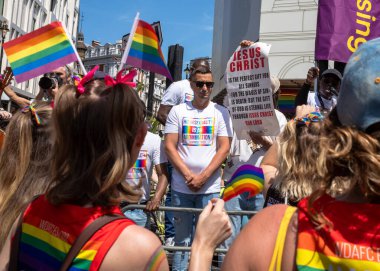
169, 223
139, 217
185, 222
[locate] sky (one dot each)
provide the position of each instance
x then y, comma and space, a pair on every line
188, 23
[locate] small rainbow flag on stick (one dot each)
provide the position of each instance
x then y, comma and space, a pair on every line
143, 49
40, 51
247, 178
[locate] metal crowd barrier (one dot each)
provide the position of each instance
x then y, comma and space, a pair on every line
172, 249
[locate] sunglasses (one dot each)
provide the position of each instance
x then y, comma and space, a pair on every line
200, 84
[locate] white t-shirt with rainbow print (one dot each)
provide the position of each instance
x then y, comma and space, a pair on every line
197, 141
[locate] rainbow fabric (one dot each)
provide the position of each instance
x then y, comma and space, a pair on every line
39, 52
286, 101
140, 163
247, 178
49, 251
145, 52
352, 243
48, 232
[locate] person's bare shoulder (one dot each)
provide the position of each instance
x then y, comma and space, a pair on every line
253, 248
135, 249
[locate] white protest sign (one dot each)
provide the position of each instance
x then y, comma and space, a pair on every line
249, 91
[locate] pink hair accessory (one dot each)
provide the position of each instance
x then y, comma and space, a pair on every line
120, 79
88, 77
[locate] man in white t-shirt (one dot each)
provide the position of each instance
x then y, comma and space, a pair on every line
151, 154
179, 92
197, 141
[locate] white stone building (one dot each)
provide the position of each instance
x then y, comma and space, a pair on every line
107, 56
24, 16
290, 26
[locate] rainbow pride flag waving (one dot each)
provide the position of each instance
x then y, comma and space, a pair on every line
40, 51
247, 178
143, 50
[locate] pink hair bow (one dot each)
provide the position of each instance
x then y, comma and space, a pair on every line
120, 79
88, 77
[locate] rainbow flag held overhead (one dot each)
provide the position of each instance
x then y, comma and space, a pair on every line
143, 50
40, 51
247, 178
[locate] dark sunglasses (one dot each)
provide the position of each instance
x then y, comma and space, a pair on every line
200, 84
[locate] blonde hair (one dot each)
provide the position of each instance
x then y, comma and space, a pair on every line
93, 139
301, 161
23, 163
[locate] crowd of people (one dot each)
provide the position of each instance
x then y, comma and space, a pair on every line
78, 153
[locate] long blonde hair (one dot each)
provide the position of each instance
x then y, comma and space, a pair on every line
23, 163
93, 139
301, 160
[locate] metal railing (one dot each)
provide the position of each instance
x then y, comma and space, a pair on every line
187, 210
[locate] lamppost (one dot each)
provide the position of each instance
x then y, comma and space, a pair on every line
4, 30
187, 71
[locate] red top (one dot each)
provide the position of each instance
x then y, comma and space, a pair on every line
49, 231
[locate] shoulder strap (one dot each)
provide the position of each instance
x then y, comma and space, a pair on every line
275, 263
86, 234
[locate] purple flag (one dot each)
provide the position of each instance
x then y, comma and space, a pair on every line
343, 25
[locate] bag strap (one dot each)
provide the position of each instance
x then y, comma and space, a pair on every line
85, 235
275, 264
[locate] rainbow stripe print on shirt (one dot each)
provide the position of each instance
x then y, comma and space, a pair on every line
137, 171
198, 131
352, 242
342, 256
44, 246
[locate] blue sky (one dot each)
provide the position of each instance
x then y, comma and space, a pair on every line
188, 23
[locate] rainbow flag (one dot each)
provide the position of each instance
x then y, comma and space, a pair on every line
144, 50
247, 178
39, 52
286, 101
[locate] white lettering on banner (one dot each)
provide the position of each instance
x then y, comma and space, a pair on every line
249, 91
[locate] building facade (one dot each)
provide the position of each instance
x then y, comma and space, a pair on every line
290, 27
107, 56
24, 16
